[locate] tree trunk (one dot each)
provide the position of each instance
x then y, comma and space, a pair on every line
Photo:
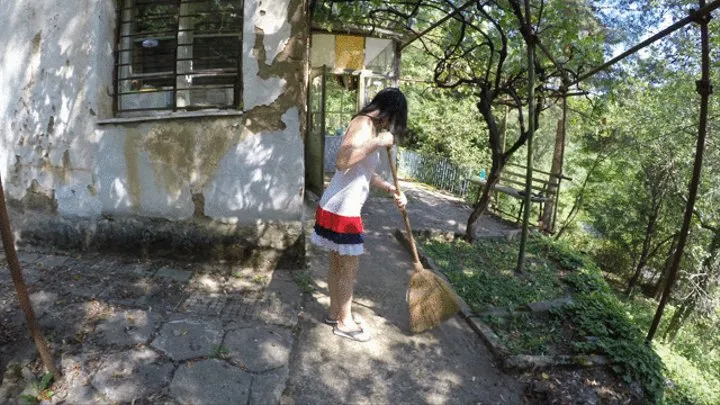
484, 106
482, 204
690, 302
660, 285
678, 319
557, 166
578, 200
649, 232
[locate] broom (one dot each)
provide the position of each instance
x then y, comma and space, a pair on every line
431, 301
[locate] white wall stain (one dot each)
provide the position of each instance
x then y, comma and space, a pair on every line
56, 64
276, 31
271, 159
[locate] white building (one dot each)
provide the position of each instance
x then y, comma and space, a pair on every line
156, 124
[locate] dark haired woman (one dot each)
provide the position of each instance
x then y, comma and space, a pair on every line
338, 226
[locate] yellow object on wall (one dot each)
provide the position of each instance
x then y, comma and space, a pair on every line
349, 52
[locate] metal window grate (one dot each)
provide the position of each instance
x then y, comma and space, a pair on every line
178, 55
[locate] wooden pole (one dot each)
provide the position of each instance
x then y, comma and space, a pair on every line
530, 42
704, 88
21, 288
548, 223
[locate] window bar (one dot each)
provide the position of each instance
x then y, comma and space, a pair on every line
124, 43
175, 64
116, 68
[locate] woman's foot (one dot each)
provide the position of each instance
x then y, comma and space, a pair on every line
332, 322
352, 332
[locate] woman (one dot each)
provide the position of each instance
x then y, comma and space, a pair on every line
338, 226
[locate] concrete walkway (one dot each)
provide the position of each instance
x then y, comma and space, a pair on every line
125, 330
448, 365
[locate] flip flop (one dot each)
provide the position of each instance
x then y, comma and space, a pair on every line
356, 335
332, 322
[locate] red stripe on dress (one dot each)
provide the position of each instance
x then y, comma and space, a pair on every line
338, 223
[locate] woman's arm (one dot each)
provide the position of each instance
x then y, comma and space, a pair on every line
380, 183
359, 142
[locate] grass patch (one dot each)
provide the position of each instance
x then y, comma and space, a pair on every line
483, 273
304, 281
527, 334
596, 323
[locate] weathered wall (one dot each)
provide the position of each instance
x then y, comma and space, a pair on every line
60, 154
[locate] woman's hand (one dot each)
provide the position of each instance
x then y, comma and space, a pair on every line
385, 139
400, 200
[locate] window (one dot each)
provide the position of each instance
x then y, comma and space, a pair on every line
179, 55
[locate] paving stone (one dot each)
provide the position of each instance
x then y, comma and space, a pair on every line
84, 286
276, 310
51, 261
128, 291
138, 269
269, 309
242, 280
268, 388
76, 387
174, 274
165, 296
186, 338
259, 348
31, 275
126, 376
207, 283
42, 301
204, 304
210, 382
126, 328
236, 308
73, 322
28, 257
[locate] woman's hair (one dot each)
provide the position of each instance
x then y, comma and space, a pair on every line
390, 104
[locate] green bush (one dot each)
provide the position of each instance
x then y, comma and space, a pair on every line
689, 384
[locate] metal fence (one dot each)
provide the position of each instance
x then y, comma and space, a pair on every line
435, 171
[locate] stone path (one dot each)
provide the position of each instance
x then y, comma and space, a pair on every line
153, 331
448, 365
157, 331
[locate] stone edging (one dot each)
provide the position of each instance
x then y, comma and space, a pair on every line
501, 352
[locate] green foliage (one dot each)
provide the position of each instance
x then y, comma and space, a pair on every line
525, 334
559, 251
600, 317
483, 273
219, 352
304, 281
690, 384
42, 391
445, 123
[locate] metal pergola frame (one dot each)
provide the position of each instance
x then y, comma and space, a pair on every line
700, 16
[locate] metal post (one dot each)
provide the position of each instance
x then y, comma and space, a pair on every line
703, 88
21, 288
530, 42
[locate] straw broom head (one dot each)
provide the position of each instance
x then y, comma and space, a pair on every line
431, 301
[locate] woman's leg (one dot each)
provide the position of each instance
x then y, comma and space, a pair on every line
347, 270
333, 271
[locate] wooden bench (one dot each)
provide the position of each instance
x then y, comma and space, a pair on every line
512, 183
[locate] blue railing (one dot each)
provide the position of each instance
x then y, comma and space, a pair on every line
436, 171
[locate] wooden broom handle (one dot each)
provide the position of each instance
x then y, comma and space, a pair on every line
416, 257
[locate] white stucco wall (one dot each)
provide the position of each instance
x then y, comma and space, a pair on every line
56, 66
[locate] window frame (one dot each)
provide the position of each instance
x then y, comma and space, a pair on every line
179, 97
